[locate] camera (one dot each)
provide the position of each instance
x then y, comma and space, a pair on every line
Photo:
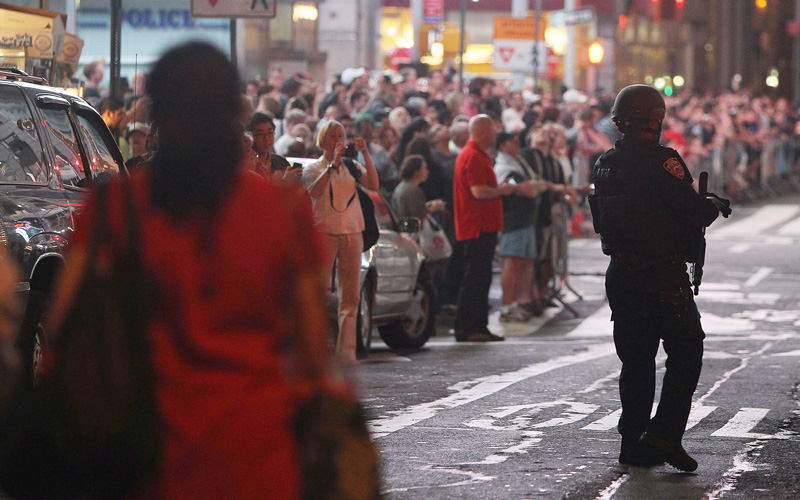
350, 151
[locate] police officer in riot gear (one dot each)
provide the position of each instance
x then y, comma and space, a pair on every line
650, 220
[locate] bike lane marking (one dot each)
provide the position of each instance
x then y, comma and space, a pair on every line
484, 386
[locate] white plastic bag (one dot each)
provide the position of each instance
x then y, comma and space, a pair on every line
433, 241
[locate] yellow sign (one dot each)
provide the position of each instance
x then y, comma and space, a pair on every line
516, 28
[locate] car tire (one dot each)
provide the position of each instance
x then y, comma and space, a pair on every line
364, 320
418, 322
34, 336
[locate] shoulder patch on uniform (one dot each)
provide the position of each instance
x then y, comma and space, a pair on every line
674, 167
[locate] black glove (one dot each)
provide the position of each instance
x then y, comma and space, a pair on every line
723, 205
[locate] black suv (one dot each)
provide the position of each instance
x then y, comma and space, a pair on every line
53, 146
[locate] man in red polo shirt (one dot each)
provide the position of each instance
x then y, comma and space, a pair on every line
478, 216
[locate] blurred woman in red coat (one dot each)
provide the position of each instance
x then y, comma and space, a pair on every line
230, 297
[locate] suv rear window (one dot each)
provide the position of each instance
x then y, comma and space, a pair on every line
20, 148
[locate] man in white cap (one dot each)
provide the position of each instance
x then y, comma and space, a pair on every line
136, 134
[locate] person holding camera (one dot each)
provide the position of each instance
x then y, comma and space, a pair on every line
338, 216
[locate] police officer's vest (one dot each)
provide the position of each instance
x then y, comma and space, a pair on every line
630, 207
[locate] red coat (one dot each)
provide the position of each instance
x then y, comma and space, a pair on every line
224, 399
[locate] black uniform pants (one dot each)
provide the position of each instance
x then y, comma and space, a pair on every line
472, 315
650, 304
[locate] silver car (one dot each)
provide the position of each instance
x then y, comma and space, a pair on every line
396, 292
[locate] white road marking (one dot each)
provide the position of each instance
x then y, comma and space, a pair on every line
606, 423
698, 413
739, 248
472, 478
790, 353
766, 298
762, 219
792, 228
779, 240
609, 422
597, 325
530, 439
574, 412
759, 275
730, 373
483, 387
740, 425
741, 463
611, 489
721, 287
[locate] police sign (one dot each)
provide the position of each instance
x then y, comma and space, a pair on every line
233, 8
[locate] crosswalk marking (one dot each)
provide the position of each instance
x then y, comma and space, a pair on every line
740, 425
604, 424
698, 413
762, 219
759, 275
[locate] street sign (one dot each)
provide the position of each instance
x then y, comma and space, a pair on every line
570, 17
233, 8
513, 45
517, 55
433, 11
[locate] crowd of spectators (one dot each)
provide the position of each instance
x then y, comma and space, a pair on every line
748, 143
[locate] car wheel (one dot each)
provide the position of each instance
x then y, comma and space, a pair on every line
34, 336
416, 325
364, 320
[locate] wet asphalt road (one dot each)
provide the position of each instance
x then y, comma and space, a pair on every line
535, 416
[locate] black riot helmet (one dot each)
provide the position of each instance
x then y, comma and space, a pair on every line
638, 108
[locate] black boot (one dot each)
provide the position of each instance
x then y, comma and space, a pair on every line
638, 456
673, 453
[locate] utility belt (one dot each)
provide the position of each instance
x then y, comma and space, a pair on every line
636, 258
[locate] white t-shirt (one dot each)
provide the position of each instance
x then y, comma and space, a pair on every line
335, 214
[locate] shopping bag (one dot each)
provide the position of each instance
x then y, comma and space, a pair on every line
433, 241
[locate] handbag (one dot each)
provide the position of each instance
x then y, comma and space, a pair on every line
90, 427
433, 241
338, 460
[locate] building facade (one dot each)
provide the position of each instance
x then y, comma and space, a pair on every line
703, 44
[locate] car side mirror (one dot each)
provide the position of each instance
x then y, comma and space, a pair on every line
408, 225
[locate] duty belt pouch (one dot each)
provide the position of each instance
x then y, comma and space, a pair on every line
594, 207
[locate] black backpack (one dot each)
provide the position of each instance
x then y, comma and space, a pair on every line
371, 231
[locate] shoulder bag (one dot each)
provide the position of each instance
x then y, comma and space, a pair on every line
371, 232
90, 427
